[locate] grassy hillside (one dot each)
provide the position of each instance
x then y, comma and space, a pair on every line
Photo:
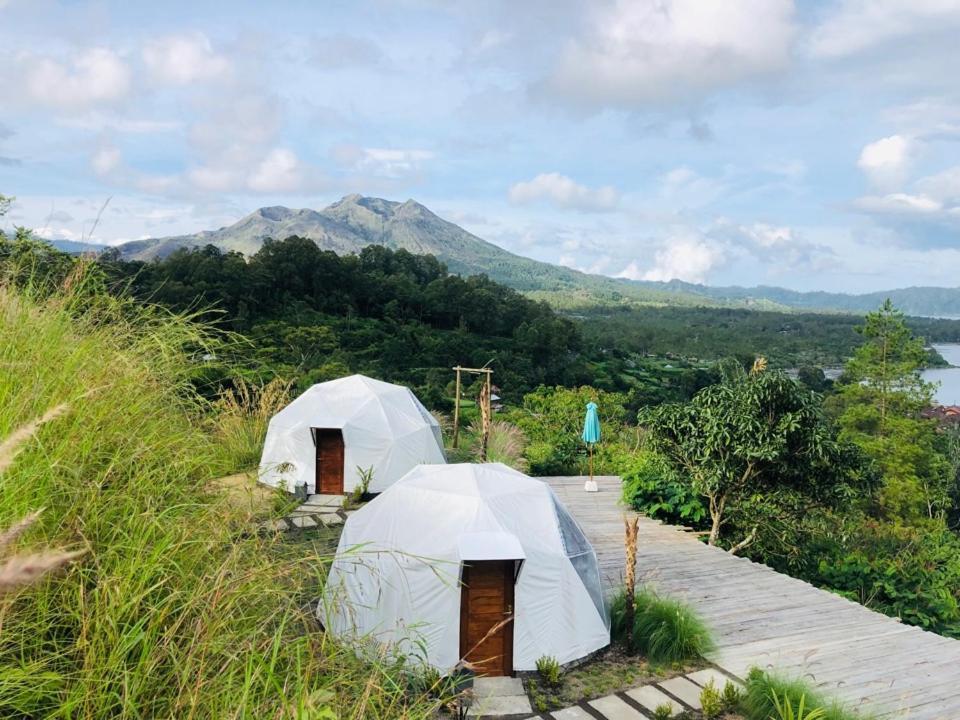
175, 609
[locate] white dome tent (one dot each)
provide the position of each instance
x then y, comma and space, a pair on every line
396, 577
336, 429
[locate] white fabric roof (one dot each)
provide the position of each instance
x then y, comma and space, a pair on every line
385, 427
396, 575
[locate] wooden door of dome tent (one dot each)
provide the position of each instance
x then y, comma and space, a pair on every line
486, 599
329, 461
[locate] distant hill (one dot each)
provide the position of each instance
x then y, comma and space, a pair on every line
356, 221
76, 248
352, 223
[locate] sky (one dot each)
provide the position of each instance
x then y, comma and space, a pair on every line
811, 145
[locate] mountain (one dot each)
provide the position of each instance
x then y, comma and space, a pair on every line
356, 221
352, 223
76, 248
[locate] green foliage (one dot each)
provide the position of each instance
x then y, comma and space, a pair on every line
879, 406
754, 434
549, 670
312, 315
787, 339
175, 609
665, 630
711, 702
785, 709
663, 711
768, 695
732, 697
552, 420
366, 477
654, 487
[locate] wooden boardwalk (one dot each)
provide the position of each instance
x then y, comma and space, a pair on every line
763, 618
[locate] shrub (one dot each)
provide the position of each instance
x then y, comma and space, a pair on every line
651, 486
765, 691
664, 711
549, 670
732, 697
665, 630
785, 709
711, 701
505, 444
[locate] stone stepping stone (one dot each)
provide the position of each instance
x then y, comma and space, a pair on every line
330, 519
682, 688
703, 678
613, 708
571, 713
303, 522
497, 696
651, 698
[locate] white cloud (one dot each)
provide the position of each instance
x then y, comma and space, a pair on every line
686, 188
96, 75
279, 171
390, 163
768, 236
184, 59
638, 52
899, 203
688, 258
886, 162
858, 26
106, 160
564, 192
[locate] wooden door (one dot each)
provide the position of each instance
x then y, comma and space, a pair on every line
486, 599
329, 477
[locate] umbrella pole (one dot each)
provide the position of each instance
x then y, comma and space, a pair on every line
590, 445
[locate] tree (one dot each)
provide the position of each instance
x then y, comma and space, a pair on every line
879, 407
757, 433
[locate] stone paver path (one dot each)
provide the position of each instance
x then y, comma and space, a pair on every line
637, 703
316, 511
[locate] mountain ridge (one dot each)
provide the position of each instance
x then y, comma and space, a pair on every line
355, 221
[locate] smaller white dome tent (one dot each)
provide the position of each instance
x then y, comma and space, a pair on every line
336, 429
396, 578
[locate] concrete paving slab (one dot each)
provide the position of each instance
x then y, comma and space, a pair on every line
613, 708
684, 689
651, 698
303, 522
703, 677
571, 713
498, 696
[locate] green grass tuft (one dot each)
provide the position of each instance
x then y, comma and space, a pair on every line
762, 687
665, 630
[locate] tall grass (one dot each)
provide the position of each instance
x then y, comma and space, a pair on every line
505, 444
175, 609
665, 630
241, 416
765, 691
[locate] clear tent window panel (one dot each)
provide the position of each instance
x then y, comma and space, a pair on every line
582, 556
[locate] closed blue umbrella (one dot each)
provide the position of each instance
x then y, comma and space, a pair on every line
591, 431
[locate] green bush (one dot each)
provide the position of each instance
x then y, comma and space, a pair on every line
711, 701
549, 669
764, 691
664, 711
665, 630
654, 488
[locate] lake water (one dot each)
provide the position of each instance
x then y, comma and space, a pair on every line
949, 378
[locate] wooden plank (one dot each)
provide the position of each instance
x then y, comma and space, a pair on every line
761, 617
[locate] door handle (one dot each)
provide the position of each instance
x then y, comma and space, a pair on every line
509, 610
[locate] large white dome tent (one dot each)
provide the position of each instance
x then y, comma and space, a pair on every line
447, 552
336, 429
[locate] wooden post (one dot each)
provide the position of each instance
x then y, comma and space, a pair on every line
631, 527
456, 412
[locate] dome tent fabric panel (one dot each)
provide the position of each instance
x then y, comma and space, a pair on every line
401, 586
385, 428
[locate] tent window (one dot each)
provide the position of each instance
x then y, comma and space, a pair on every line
582, 557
